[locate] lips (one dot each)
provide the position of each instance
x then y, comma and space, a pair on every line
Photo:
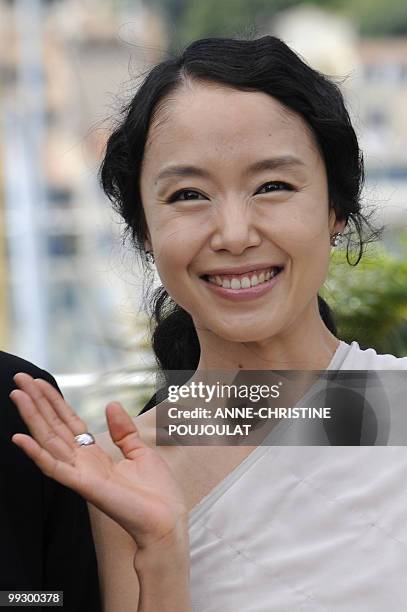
243, 280
244, 287
240, 270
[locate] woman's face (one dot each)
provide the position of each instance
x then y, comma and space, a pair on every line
234, 188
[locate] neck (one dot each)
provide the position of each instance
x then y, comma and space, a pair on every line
306, 344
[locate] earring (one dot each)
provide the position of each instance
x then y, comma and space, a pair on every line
336, 239
150, 257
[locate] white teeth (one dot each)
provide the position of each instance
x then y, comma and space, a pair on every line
245, 282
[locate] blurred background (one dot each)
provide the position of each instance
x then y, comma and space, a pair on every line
70, 290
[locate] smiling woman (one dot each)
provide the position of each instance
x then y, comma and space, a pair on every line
237, 214
235, 163
237, 167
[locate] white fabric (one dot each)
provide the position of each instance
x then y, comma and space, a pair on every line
306, 528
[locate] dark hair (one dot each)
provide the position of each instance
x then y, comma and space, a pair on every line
265, 64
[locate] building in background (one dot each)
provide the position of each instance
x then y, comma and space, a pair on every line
71, 294
86, 64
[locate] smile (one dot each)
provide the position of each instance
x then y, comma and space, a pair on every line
243, 286
243, 281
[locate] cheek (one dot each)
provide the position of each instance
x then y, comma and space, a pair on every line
301, 232
177, 239
299, 226
309, 249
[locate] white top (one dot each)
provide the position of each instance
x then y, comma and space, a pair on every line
306, 528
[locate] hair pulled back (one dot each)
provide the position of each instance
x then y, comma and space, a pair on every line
267, 65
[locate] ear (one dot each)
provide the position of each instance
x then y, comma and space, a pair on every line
335, 224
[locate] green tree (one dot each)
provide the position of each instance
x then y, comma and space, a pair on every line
378, 17
191, 19
227, 18
370, 300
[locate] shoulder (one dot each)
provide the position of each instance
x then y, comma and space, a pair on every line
11, 365
359, 358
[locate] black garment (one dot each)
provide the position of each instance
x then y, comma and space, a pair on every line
176, 377
153, 401
45, 535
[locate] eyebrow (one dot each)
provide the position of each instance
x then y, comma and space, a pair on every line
263, 164
272, 163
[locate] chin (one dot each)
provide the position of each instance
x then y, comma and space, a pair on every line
250, 333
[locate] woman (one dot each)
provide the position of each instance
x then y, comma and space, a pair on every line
237, 167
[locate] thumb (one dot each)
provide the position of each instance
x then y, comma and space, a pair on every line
123, 431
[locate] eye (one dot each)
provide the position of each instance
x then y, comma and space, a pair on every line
183, 195
272, 186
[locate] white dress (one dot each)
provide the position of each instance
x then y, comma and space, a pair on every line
306, 528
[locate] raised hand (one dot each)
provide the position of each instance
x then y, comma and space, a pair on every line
138, 492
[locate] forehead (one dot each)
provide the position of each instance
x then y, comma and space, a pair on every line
206, 119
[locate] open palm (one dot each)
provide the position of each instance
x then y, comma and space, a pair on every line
139, 492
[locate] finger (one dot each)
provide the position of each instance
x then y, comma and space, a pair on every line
123, 431
60, 406
68, 475
60, 471
74, 423
34, 390
45, 436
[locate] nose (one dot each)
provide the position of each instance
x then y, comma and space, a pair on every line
235, 230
